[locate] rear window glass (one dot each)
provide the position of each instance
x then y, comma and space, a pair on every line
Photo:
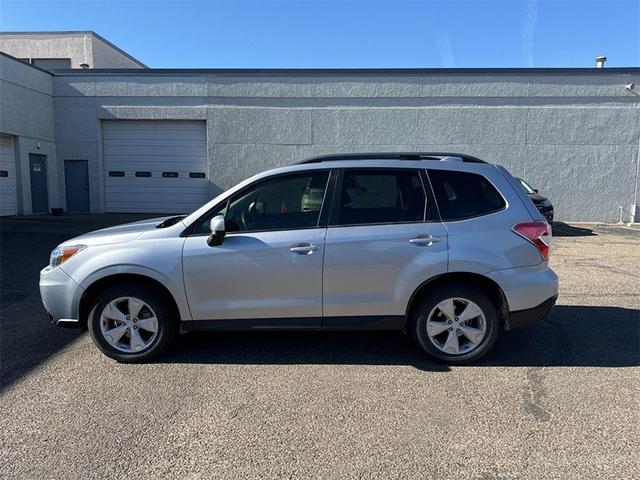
381, 196
463, 195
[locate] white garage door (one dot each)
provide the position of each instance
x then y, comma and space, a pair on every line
155, 166
7, 176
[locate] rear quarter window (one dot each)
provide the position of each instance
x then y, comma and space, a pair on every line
463, 195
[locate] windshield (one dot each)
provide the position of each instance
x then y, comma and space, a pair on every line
526, 187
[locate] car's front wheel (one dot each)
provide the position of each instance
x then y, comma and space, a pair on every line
455, 323
131, 323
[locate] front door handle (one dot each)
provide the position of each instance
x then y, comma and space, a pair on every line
426, 239
305, 248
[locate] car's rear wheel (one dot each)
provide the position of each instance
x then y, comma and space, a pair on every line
131, 323
455, 323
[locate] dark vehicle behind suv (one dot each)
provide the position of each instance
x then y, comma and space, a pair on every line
543, 204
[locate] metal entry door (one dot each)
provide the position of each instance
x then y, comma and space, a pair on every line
39, 196
76, 177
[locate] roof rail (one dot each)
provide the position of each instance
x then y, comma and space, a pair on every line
393, 156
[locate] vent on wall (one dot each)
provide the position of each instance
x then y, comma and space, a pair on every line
169, 174
116, 174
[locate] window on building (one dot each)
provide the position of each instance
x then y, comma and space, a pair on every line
51, 63
463, 195
381, 196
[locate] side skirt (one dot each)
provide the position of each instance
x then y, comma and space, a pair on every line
294, 324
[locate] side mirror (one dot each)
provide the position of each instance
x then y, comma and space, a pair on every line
535, 190
218, 231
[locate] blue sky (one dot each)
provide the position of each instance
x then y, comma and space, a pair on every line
200, 33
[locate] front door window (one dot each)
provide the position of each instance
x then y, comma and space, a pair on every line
288, 202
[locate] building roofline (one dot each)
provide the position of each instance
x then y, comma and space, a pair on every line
80, 32
25, 63
343, 71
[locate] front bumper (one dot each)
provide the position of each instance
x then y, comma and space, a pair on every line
525, 317
59, 295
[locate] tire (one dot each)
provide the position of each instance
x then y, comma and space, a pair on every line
109, 319
432, 306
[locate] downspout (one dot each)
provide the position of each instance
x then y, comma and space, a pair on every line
634, 207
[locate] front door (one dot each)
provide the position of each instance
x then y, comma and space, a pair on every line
268, 271
39, 195
76, 177
385, 241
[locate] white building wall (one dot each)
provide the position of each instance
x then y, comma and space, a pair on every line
74, 46
81, 47
26, 113
574, 135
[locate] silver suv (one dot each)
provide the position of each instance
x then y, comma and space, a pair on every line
444, 246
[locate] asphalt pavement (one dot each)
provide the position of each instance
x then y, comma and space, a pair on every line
558, 399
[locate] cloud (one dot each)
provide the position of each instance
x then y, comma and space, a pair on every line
443, 43
529, 31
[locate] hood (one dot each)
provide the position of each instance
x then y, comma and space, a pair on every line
118, 234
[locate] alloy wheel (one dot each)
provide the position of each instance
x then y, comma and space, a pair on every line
128, 324
456, 326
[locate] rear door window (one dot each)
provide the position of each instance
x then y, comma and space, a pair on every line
464, 195
381, 196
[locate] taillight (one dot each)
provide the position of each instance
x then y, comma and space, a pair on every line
538, 233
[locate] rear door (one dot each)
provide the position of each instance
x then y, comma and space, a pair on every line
384, 239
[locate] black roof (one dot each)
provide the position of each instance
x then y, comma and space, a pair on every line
390, 156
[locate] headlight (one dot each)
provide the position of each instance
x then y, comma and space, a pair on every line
62, 254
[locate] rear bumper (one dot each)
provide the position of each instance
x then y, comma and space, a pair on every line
520, 318
526, 287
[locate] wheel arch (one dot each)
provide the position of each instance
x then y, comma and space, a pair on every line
486, 284
92, 292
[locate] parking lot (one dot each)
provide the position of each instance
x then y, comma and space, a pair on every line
558, 399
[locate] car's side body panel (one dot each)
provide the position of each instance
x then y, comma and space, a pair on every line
157, 258
526, 287
255, 275
372, 270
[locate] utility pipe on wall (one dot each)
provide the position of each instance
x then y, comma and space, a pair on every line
633, 211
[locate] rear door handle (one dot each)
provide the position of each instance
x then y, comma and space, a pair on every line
305, 248
426, 239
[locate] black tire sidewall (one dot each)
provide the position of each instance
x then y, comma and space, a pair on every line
166, 324
424, 307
